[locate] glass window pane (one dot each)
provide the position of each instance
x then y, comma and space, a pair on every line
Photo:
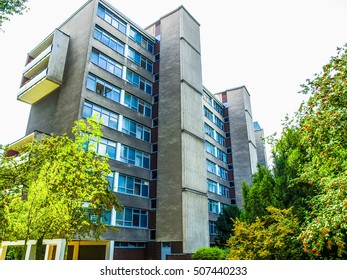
144, 190
97, 34
101, 12
87, 111
91, 83
136, 80
102, 149
136, 220
102, 62
131, 154
128, 213
105, 39
111, 151
121, 181
122, 27
146, 162
143, 221
127, 99
94, 58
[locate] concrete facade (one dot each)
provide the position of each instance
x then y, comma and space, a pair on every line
242, 137
180, 152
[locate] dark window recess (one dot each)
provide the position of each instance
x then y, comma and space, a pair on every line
152, 234
153, 204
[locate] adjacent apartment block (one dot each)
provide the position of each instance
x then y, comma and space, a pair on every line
178, 152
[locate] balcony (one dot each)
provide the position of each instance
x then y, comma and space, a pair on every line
44, 70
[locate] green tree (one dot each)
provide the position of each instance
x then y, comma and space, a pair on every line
280, 187
11, 7
225, 224
57, 188
323, 134
272, 237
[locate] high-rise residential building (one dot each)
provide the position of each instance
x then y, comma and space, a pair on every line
178, 153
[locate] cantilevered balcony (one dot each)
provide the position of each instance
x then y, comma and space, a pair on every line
43, 72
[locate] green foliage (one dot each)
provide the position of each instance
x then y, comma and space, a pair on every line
323, 135
15, 253
258, 196
272, 237
225, 224
211, 253
309, 175
11, 7
54, 186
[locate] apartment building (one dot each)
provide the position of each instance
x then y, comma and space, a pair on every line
178, 152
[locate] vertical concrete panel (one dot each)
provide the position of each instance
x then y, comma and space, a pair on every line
182, 191
169, 179
242, 139
78, 28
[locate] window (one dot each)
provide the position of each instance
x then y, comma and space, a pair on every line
213, 228
221, 155
141, 40
133, 186
210, 148
111, 18
136, 130
110, 179
213, 206
106, 63
108, 118
105, 216
134, 157
210, 166
220, 139
224, 191
104, 147
208, 99
208, 114
219, 122
218, 108
137, 105
209, 130
108, 40
140, 60
130, 217
223, 173
103, 88
212, 186
139, 82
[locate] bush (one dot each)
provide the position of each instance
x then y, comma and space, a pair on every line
212, 253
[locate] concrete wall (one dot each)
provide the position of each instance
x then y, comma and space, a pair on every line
182, 191
57, 59
79, 28
242, 139
260, 143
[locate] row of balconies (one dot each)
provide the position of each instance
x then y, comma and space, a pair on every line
44, 69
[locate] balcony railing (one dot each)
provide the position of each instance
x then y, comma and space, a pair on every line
37, 59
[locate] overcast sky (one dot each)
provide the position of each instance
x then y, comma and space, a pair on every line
270, 46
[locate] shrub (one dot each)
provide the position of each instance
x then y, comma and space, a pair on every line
212, 253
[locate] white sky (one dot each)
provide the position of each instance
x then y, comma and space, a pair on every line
270, 46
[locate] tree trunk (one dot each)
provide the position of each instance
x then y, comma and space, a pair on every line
40, 249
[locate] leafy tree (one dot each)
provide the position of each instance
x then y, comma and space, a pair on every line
272, 237
212, 253
56, 188
324, 136
11, 7
225, 224
259, 195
